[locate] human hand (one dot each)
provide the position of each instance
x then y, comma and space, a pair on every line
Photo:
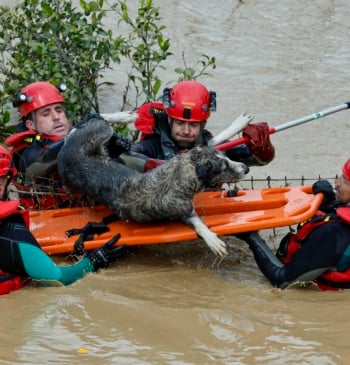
105, 255
121, 142
259, 143
324, 187
252, 237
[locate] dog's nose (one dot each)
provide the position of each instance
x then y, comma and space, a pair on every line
246, 169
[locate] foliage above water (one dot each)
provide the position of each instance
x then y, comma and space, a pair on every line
55, 41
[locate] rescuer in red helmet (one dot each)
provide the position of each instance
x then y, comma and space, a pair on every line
38, 140
40, 133
41, 107
179, 123
43, 123
319, 251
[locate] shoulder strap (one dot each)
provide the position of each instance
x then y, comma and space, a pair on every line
88, 231
305, 228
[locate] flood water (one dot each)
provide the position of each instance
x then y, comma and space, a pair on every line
169, 304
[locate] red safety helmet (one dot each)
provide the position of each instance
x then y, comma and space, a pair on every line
5, 163
346, 169
189, 101
37, 95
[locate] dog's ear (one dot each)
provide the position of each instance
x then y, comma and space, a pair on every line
197, 153
203, 168
207, 170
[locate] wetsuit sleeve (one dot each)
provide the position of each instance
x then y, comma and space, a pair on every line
21, 253
150, 147
37, 160
321, 252
40, 267
29, 155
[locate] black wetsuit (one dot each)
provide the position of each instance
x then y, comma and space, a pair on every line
326, 248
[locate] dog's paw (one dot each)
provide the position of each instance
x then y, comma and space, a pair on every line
218, 246
242, 121
235, 127
121, 117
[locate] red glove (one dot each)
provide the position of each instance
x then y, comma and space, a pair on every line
259, 142
152, 163
145, 121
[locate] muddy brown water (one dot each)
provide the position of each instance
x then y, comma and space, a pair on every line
171, 304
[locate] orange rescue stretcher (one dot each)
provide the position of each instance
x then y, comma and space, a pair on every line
250, 210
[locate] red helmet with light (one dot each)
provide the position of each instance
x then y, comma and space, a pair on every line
346, 169
37, 95
5, 163
189, 101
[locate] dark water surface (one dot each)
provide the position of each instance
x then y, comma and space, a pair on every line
278, 60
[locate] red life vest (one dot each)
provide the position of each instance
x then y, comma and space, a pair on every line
330, 280
37, 198
21, 140
10, 282
9, 207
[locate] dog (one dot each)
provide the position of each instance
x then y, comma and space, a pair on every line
162, 194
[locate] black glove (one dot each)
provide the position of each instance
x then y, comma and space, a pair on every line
324, 187
251, 237
106, 254
117, 145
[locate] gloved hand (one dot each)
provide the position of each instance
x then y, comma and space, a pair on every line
259, 143
121, 142
106, 254
252, 237
324, 187
117, 145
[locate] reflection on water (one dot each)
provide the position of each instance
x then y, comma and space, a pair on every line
170, 304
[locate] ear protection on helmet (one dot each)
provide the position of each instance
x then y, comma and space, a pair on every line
212, 105
166, 97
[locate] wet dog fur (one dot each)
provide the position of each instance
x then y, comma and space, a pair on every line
164, 193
